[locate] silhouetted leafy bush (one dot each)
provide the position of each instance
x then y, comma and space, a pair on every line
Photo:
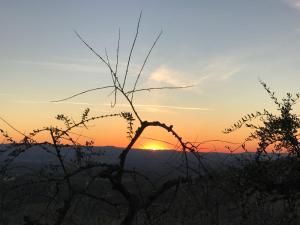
275, 172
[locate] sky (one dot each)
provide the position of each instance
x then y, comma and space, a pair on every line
221, 48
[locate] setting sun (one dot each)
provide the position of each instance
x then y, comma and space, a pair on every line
153, 146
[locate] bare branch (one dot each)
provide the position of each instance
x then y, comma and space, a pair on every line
144, 63
131, 50
158, 88
118, 52
12, 127
116, 71
98, 55
84, 92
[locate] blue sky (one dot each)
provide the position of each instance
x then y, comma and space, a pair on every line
220, 47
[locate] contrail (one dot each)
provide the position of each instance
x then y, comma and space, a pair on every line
121, 105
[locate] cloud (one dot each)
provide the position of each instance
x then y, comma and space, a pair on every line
48, 102
79, 66
84, 65
166, 75
219, 69
175, 107
294, 3
297, 3
141, 106
215, 69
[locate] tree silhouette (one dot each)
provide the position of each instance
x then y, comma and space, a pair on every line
78, 184
278, 133
275, 172
59, 178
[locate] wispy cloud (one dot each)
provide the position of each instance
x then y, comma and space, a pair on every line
85, 65
167, 75
214, 69
294, 3
219, 69
176, 107
48, 102
79, 66
142, 106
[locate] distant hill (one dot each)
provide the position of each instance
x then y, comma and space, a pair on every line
141, 160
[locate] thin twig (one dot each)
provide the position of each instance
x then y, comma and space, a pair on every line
118, 52
158, 88
99, 56
131, 50
83, 92
144, 63
116, 70
12, 127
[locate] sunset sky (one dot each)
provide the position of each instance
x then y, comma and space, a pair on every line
222, 48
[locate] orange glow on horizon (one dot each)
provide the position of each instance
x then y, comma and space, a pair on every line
154, 146
112, 132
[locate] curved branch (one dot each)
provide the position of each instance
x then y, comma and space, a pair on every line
139, 131
84, 92
158, 88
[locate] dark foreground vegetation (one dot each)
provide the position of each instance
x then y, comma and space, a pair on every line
234, 189
61, 181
